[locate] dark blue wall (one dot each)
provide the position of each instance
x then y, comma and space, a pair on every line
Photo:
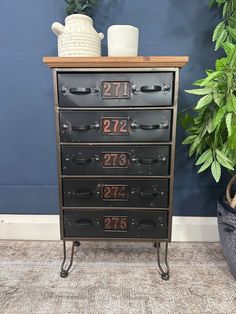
28, 179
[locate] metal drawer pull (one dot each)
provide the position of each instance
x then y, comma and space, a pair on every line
83, 195
148, 194
149, 127
80, 90
150, 88
148, 161
81, 127
147, 224
84, 223
81, 161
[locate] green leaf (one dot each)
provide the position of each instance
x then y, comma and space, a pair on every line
216, 170
194, 146
232, 62
205, 156
220, 40
231, 103
211, 77
228, 121
218, 117
228, 47
224, 160
190, 139
225, 9
199, 91
186, 120
198, 82
232, 32
206, 165
219, 99
232, 139
221, 64
211, 3
218, 30
204, 101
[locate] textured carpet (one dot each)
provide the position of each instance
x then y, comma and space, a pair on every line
114, 278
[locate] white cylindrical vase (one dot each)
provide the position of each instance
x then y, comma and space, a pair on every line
122, 40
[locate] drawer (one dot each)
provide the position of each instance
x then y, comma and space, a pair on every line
115, 126
115, 89
116, 224
115, 192
115, 160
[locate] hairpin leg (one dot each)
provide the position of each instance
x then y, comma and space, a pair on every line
165, 275
65, 271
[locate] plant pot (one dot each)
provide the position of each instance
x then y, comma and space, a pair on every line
122, 40
227, 229
78, 38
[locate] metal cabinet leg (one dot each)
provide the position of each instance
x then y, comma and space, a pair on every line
165, 274
65, 270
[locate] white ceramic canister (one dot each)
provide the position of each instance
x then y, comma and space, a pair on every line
78, 37
122, 40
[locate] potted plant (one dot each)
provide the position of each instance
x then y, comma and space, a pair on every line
211, 126
78, 37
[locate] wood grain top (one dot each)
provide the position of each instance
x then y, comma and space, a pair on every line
117, 62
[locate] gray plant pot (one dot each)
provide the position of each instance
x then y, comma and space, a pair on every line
227, 230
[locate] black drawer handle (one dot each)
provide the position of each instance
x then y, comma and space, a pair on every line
150, 88
82, 195
147, 224
84, 223
144, 161
81, 90
148, 161
148, 194
149, 127
81, 161
81, 128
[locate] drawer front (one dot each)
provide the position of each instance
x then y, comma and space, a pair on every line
116, 224
115, 89
113, 160
115, 126
116, 192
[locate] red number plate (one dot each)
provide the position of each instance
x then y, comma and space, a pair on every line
115, 89
115, 126
115, 160
115, 223
114, 192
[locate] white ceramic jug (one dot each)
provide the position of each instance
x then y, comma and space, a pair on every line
122, 40
78, 37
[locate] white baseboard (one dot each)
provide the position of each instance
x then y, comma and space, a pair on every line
46, 227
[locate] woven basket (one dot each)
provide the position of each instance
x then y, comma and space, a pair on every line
227, 226
231, 200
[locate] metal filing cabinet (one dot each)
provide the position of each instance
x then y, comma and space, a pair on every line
116, 127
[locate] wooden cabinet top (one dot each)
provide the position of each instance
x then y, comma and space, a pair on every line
117, 62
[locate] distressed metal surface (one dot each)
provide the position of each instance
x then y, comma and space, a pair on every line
142, 160
68, 81
141, 193
140, 224
92, 120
